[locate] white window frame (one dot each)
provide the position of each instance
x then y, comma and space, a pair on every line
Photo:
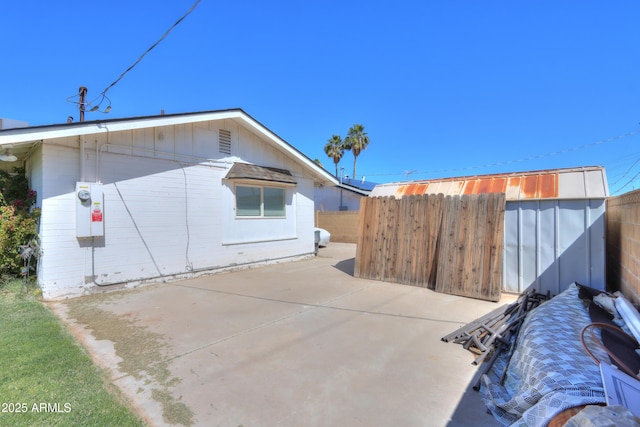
261, 188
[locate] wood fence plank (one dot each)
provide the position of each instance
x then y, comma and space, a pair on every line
391, 233
479, 233
421, 242
437, 205
417, 242
448, 238
468, 249
497, 247
373, 261
363, 241
450, 244
462, 225
407, 237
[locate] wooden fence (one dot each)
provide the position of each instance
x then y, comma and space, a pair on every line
623, 244
450, 244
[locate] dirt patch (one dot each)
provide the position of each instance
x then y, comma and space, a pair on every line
142, 353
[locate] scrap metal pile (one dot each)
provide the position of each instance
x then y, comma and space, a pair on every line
495, 332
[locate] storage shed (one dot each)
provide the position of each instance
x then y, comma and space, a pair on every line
554, 223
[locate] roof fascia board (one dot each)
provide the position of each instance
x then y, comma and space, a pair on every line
22, 135
30, 134
354, 189
262, 130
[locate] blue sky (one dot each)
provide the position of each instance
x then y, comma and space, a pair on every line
446, 88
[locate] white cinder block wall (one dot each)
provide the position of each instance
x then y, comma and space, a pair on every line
164, 215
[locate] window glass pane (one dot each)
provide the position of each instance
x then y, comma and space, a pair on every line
273, 201
247, 201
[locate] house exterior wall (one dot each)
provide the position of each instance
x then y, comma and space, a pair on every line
332, 198
168, 212
549, 244
342, 225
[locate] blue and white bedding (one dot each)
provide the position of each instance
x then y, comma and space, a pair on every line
549, 370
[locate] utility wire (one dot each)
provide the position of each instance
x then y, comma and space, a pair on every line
103, 94
628, 182
507, 162
626, 173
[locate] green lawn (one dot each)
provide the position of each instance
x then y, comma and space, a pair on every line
46, 378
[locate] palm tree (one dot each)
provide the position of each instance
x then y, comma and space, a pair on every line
335, 150
356, 141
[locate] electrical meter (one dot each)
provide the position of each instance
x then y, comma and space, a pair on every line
89, 209
84, 195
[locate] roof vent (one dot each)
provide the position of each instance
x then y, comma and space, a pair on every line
224, 141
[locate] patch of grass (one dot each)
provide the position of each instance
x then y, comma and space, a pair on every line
141, 352
46, 378
173, 412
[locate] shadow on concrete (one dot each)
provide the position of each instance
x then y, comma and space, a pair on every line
346, 266
471, 412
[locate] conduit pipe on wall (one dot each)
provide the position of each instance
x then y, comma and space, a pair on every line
82, 154
198, 160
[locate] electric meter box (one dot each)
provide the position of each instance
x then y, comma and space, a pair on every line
89, 201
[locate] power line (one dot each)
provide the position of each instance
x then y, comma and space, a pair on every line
151, 48
627, 172
524, 159
103, 94
628, 182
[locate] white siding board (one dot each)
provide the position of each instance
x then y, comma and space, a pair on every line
528, 243
548, 270
184, 139
572, 245
205, 141
120, 143
553, 243
571, 186
164, 142
512, 192
305, 219
596, 184
383, 191
511, 262
328, 199
597, 242
445, 188
144, 140
61, 169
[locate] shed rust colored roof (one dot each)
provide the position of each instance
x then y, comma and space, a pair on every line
574, 183
528, 186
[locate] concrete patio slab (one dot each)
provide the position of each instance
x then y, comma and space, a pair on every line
301, 343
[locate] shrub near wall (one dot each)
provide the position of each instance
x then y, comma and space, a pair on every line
18, 221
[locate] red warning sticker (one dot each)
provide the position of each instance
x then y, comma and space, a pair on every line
96, 215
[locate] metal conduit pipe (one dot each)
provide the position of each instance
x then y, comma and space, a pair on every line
193, 159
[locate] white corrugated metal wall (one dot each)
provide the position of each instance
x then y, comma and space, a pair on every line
549, 244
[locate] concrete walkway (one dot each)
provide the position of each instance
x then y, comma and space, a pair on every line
296, 344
